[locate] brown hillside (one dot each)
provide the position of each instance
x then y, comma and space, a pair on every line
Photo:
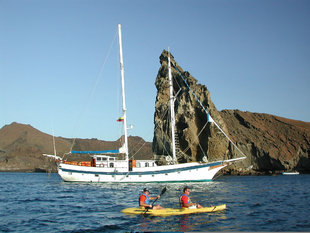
22, 146
270, 142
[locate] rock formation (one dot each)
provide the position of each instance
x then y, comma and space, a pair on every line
197, 137
270, 143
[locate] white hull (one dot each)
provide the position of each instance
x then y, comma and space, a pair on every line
188, 172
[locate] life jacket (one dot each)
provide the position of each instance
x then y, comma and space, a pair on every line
147, 200
188, 200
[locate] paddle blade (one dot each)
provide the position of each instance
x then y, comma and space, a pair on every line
163, 191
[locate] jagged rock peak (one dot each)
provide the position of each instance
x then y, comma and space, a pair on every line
196, 137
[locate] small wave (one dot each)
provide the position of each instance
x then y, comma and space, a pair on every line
4, 229
106, 228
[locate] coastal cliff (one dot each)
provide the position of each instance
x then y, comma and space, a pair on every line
270, 143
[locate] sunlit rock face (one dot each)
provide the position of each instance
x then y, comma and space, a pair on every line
196, 137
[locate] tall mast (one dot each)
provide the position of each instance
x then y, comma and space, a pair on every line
123, 90
172, 115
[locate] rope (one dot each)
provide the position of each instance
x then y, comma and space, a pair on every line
162, 132
86, 105
206, 110
131, 157
197, 137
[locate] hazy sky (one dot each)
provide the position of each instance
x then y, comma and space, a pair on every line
253, 55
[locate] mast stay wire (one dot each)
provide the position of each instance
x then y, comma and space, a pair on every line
207, 111
196, 137
94, 86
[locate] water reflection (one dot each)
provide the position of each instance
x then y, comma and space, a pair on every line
184, 223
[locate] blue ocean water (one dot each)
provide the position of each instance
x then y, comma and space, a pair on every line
39, 202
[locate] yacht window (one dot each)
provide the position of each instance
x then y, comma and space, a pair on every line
104, 159
111, 164
146, 164
112, 159
98, 158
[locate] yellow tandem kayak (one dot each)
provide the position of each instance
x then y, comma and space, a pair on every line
171, 211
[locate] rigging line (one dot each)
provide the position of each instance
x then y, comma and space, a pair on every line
207, 111
157, 126
86, 105
197, 138
162, 142
136, 146
162, 130
138, 150
161, 139
161, 118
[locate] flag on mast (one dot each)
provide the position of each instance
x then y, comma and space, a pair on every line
120, 119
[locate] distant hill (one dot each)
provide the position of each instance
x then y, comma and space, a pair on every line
22, 146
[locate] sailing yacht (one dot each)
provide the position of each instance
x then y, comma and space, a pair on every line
105, 167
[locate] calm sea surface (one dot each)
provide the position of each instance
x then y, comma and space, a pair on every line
38, 202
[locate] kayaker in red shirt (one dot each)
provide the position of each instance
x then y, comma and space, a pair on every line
185, 201
145, 200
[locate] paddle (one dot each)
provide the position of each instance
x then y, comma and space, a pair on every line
162, 192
